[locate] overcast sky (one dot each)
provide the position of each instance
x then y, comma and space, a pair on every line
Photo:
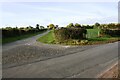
59, 13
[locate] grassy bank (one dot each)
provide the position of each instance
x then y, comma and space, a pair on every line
12, 39
48, 38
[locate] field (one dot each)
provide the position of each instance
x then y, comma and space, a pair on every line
93, 37
92, 33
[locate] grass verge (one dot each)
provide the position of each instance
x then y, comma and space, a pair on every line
48, 38
103, 40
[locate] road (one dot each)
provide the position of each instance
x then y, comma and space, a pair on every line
27, 41
84, 62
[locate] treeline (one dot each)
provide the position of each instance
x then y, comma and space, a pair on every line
71, 25
110, 26
12, 32
77, 25
96, 25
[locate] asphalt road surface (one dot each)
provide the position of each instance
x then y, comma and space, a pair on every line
27, 41
77, 61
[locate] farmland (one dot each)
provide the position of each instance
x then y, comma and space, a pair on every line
92, 37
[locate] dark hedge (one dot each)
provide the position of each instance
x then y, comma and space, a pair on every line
111, 32
70, 33
18, 32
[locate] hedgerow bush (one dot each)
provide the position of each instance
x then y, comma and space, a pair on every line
111, 32
70, 33
18, 32
110, 29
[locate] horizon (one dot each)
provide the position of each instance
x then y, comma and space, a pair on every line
23, 14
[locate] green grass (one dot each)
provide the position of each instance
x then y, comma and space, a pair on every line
94, 38
12, 39
103, 40
92, 33
48, 38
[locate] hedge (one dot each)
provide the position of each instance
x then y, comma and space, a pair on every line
111, 32
17, 32
70, 33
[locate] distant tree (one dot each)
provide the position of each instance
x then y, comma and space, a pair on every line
77, 25
51, 26
102, 26
37, 26
16, 27
21, 28
70, 25
118, 25
27, 27
47, 26
111, 25
56, 26
41, 27
30, 27
96, 25
8, 28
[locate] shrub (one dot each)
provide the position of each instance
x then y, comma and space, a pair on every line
111, 32
70, 33
77, 25
51, 26
110, 29
70, 25
84, 42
